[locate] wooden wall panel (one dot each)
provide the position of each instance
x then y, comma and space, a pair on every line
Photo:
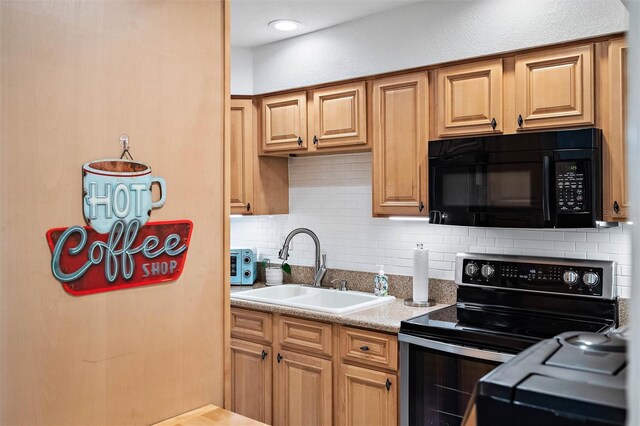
74, 75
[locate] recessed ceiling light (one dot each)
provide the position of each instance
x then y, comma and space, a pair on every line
285, 25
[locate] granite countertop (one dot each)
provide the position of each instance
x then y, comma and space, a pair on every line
386, 317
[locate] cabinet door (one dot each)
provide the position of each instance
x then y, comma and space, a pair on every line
616, 201
338, 118
469, 98
554, 88
400, 120
251, 388
367, 397
284, 122
242, 153
303, 390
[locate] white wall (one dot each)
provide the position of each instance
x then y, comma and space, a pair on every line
331, 195
427, 33
241, 71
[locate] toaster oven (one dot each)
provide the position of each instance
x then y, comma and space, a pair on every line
244, 266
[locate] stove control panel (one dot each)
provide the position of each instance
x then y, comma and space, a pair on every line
549, 275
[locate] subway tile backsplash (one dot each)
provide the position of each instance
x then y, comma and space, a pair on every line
331, 195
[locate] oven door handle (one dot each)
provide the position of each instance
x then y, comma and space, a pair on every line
456, 349
546, 190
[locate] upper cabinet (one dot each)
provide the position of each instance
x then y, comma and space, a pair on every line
242, 154
338, 117
616, 194
284, 123
468, 99
554, 88
394, 116
258, 185
400, 117
325, 120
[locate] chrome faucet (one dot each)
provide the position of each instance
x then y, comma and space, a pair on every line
321, 268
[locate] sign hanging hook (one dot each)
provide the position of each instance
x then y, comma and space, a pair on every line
124, 144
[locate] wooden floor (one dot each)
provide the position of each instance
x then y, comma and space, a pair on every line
209, 415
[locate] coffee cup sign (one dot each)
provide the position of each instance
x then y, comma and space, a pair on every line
119, 190
120, 248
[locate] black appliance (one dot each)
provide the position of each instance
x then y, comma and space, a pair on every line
505, 304
529, 180
573, 379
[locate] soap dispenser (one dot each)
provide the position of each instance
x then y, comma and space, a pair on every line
381, 283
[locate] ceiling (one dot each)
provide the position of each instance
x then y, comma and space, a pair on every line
250, 18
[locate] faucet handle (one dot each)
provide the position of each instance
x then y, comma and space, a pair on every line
342, 284
324, 260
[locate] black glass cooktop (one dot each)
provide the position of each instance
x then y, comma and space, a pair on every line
494, 329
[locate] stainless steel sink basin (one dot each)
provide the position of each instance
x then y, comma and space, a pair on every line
313, 298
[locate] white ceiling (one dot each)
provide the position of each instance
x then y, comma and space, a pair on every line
250, 18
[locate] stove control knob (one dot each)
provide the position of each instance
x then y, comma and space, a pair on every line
591, 279
487, 271
570, 277
471, 269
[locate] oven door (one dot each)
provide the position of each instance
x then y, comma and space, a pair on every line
437, 379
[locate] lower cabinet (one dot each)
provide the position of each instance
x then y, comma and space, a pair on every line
293, 371
251, 380
367, 397
303, 391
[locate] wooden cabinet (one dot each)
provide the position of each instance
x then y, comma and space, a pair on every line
242, 154
399, 121
303, 392
297, 371
338, 118
252, 325
251, 380
367, 397
367, 378
369, 347
305, 335
251, 357
554, 88
468, 99
616, 197
258, 185
324, 120
284, 123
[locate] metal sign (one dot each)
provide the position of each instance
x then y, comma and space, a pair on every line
118, 249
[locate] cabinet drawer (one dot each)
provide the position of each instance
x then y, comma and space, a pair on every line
307, 335
251, 325
369, 347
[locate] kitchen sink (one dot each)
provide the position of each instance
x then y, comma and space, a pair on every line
313, 298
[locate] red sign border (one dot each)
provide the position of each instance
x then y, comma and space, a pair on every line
155, 281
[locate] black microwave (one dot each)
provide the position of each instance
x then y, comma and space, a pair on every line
527, 180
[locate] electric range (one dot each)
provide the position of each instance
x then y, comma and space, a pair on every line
505, 304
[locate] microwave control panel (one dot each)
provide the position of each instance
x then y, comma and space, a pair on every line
570, 187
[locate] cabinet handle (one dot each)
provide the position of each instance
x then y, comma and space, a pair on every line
315, 140
420, 206
520, 121
494, 123
616, 207
279, 358
264, 354
248, 207
299, 141
388, 384
364, 348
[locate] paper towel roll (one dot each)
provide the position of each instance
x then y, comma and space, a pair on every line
420, 274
